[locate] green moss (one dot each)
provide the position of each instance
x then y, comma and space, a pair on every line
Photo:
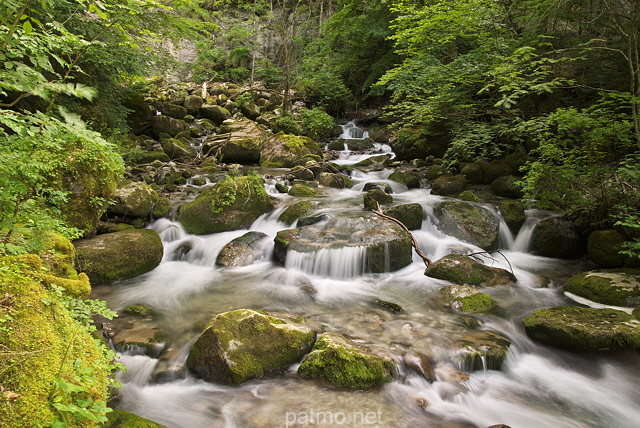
343, 365
460, 269
479, 302
469, 196
409, 179
408, 214
161, 208
302, 190
295, 211
139, 310
122, 419
616, 287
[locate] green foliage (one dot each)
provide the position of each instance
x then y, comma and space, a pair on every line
316, 123
287, 124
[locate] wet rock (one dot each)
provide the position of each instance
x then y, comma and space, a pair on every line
286, 151
507, 187
473, 224
495, 169
242, 251
299, 189
558, 238
386, 188
409, 179
466, 299
308, 221
482, 350
120, 255
421, 364
343, 364
473, 173
435, 171
302, 173
604, 246
231, 204
337, 181
390, 306
215, 113
178, 149
133, 198
295, 211
376, 195
379, 161
513, 214
246, 344
449, 185
167, 125
139, 310
584, 329
408, 214
461, 270
239, 141
468, 196
388, 247
616, 287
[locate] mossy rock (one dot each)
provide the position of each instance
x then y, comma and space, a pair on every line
302, 190
58, 254
558, 238
470, 223
584, 329
42, 343
215, 113
151, 339
374, 197
161, 124
343, 364
482, 350
120, 255
408, 214
507, 187
139, 310
465, 299
337, 181
122, 419
513, 214
133, 198
604, 246
295, 211
385, 187
435, 171
636, 313
242, 251
178, 149
461, 270
149, 157
232, 203
378, 161
468, 196
286, 151
171, 110
495, 169
449, 185
473, 173
161, 208
302, 173
246, 344
616, 287
240, 141
409, 179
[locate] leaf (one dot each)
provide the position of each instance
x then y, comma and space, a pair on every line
27, 27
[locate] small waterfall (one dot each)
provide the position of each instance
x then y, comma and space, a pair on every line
340, 263
352, 132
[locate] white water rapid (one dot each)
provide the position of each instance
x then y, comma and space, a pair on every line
537, 386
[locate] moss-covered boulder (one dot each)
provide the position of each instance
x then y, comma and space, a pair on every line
378, 161
43, 345
344, 364
215, 113
473, 173
468, 196
149, 157
171, 110
449, 185
123, 419
604, 246
161, 124
513, 214
286, 151
335, 180
584, 329
507, 186
232, 203
240, 141
134, 199
385, 187
303, 189
242, 251
388, 247
470, 223
482, 350
178, 149
408, 214
246, 344
295, 211
495, 169
558, 238
161, 208
408, 178
120, 255
466, 299
616, 287
461, 270
374, 197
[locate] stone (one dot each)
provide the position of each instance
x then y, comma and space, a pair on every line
301, 190
378, 161
468, 196
151, 339
287, 151
385, 187
337, 181
121, 418
250, 110
470, 223
449, 185
584, 329
374, 197
507, 187
161, 124
473, 173
242, 251
344, 364
408, 214
462, 270
513, 214
295, 211
493, 170
465, 299
558, 238
178, 149
616, 287
435, 171
240, 141
133, 198
172, 110
231, 204
482, 350
119, 255
215, 113
604, 246
246, 344
409, 179
421, 364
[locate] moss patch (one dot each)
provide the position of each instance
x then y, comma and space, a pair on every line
295, 211
460, 269
616, 287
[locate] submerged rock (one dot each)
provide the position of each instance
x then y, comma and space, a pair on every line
473, 224
461, 270
482, 350
584, 329
246, 344
343, 364
421, 364
374, 197
242, 251
616, 287
464, 298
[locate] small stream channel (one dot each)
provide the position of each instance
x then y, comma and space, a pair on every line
536, 387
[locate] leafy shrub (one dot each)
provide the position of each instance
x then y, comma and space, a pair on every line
316, 123
288, 125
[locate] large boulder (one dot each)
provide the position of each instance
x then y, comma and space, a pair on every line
242, 251
334, 180
408, 214
119, 255
495, 169
470, 223
408, 178
507, 186
295, 211
378, 161
178, 149
616, 287
246, 344
473, 173
286, 151
161, 124
461, 270
374, 197
193, 103
513, 214
466, 299
133, 198
240, 141
449, 185
604, 246
215, 113
584, 329
231, 204
558, 238
388, 247
344, 364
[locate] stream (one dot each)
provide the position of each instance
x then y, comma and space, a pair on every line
536, 387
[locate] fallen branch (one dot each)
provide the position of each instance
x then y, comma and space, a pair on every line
489, 254
379, 213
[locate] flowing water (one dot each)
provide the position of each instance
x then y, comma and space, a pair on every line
536, 387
